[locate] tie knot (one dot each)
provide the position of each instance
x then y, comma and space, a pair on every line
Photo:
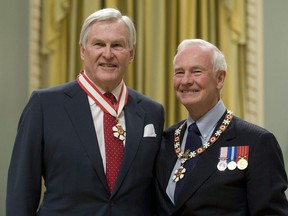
193, 128
110, 97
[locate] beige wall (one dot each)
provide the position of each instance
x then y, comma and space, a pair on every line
14, 75
275, 67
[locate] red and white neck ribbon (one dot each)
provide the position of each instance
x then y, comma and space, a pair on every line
90, 88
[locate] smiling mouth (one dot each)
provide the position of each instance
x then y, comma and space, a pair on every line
189, 91
108, 65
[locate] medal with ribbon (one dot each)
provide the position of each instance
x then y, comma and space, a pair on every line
236, 157
242, 157
222, 164
93, 92
232, 157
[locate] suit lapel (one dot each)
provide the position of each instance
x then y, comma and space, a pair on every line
134, 121
78, 109
206, 165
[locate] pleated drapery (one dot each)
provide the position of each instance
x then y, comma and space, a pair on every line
160, 26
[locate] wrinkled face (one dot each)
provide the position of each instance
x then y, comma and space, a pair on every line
106, 54
196, 85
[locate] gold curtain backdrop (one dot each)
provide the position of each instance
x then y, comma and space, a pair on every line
160, 26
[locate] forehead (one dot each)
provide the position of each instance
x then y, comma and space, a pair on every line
194, 54
108, 28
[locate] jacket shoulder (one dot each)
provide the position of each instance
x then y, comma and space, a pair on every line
245, 126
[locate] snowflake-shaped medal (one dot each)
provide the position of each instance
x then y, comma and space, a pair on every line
179, 174
119, 132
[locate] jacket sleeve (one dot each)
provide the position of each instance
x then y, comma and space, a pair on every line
24, 175
266, 179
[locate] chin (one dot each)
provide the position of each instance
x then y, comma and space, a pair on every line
189, 101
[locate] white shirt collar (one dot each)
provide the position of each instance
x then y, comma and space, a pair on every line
208, 122
115, 92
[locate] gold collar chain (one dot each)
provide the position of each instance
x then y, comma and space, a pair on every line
188, 154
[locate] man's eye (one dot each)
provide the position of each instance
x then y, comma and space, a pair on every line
178, 73
99, 45
197, 71
117, 46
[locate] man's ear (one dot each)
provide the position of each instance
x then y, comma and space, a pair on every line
82, 51
132, 54
220, 78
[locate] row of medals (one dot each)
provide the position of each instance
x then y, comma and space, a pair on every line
241, 164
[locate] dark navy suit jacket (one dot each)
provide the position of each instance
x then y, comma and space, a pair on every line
256, 191
56, 139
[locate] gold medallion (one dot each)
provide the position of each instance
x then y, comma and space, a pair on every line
242, 164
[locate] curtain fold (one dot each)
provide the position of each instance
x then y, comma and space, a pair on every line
160, 26
232, 40
54, 40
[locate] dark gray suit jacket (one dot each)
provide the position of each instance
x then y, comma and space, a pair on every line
256, 191
56, 139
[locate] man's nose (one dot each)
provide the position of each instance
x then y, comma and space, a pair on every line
107, 52
187, 77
